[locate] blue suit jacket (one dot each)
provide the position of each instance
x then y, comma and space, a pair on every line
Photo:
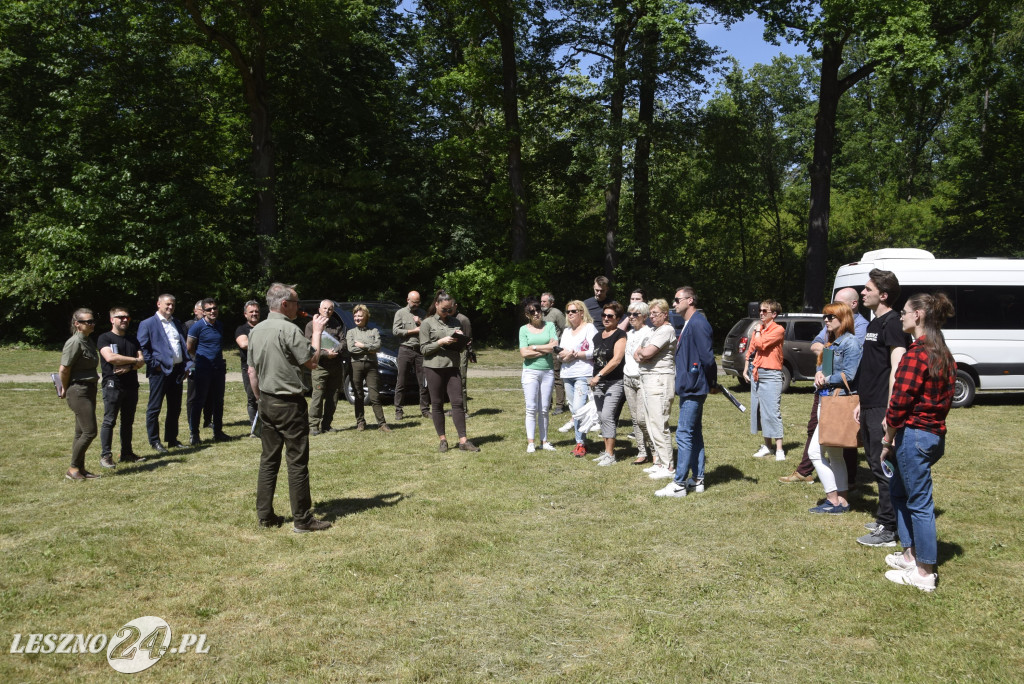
156, 348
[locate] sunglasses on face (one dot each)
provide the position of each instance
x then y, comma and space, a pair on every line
604, 315
572, 311
86, 321
122, 317
212, 308
766, 311
828, 318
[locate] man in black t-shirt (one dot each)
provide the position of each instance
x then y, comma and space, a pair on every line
884, 346
120, 361
595, 305
252, 317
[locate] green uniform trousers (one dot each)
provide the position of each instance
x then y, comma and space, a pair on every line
284, 429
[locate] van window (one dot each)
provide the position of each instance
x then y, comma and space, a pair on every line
806, 331
996, 307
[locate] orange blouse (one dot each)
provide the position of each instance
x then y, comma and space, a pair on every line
767, 345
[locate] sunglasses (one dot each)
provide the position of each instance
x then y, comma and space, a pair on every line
680, 299
766, 311
122, 317
212, 308
572, 311
828, 318
87, 321
604, 315
634, 315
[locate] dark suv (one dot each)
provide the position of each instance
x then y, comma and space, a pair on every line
798, 361
382, 317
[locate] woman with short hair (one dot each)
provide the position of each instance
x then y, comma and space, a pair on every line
915, 434
363, 343
636, 338
577, 366
657, 376
78, 379
764, 373
606, 383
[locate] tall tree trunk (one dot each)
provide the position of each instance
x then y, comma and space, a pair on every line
821, 176
504, 18
252, 68
613, 190
642, 162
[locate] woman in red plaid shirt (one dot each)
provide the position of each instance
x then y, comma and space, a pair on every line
915, 433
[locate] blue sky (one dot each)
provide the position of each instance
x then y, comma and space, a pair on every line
745, 42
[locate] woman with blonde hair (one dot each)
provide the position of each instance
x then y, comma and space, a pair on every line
842, 346
577, 363
78, 379
636, 338
657, 376
363, 342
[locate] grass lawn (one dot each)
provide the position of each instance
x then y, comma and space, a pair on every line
500, 565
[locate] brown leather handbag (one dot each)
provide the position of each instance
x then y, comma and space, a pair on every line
836, 426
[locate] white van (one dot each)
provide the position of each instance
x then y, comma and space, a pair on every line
986, 335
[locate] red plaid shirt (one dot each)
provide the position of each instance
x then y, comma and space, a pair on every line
919, 400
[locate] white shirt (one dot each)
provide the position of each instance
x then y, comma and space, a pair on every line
635, 339
173, 337
579, 341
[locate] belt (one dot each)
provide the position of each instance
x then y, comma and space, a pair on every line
84, 381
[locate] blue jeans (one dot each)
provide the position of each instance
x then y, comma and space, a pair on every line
576, 391
911, 490
690, 439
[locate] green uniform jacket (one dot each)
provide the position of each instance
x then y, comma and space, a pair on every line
405, 320
80, 357
277, 351
434, 355
368, 336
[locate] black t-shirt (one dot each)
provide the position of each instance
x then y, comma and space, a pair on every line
243, 354
126, 346
884, 332
604, 350
595, 308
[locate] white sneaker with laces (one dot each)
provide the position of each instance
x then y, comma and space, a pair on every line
672, 490
566, 427
696, 486
661, 473
780, 455
910, 576
530, 448
762, 452
897, 561
548, 446
606, 460
651, 468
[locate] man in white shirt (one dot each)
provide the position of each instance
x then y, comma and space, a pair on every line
162, 340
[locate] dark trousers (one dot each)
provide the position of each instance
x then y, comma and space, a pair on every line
871, 434
251, 406
118, 402
285, 429
190, 400
161, 386
559, 385
208, 383
366, 370
464, 373
81, 398
328, 381
806, 468
441, 382
407, 356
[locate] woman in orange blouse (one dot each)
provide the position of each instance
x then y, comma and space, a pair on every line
764, 356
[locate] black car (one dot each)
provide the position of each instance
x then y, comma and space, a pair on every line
798, 361
382, 317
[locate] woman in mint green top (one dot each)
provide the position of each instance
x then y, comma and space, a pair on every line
537, 340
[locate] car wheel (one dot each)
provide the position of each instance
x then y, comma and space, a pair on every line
350, 394
787, 378
963, 389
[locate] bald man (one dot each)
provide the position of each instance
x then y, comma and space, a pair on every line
407, 329
329, 376
805, 471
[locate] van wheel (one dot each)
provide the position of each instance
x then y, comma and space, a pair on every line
964, 389
787, 378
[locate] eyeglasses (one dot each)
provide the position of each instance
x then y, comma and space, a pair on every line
604, 315
87, 321
658, 313
122, 317
828, 318
679, 299
445, 311
533, 312
572, 311
208, 310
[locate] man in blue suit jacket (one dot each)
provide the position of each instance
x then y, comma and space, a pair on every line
163, 342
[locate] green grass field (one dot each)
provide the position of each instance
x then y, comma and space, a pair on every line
502, 566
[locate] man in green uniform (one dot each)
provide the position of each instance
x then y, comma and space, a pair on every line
329, 377
406, 328
277, 352
550, 313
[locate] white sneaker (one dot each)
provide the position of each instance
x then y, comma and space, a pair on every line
566, 427
606, 460
530, 448
911, 577
762, 452
651, 468
548, 446
598, 457
897, 561
672, 490
696, 486
661, 474
780, 455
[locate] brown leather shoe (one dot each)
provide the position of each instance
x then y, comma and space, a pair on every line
797, 477
383, 427
360, 426
468, 446
74, 475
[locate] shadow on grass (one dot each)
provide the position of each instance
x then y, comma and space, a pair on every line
339, 508
948, 551
485, 412
482, 439
149, 465
727, 473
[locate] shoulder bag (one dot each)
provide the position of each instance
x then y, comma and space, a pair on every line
836, 426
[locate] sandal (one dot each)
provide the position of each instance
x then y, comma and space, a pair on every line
640, 460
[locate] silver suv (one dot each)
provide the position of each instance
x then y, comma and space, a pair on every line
798, 361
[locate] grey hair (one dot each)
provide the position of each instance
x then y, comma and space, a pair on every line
640, 308
277, 293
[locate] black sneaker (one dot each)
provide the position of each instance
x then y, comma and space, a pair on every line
399, 414
107, 462
558, 410
313, 525
175, 444
195, 440
131, 458
273, 521
468, 446
313, 432
880, 537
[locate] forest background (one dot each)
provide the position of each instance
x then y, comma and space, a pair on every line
498, 148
